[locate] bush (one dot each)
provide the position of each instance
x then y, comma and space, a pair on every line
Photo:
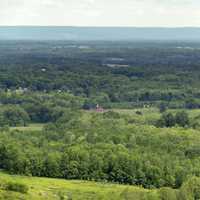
192, 152
169, 120
14, 116
190, 190
182, 118
167, 194
138, 112
17, 187
166, 120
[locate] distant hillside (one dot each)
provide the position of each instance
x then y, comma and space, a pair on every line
97, 33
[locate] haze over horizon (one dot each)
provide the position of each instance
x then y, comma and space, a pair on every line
100, 19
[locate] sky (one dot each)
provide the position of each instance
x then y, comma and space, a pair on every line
137, 13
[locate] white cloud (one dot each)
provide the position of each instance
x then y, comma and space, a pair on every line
100, 12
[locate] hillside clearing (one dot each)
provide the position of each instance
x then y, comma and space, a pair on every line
57, 189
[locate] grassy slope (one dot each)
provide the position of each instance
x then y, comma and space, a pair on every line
53, 189
30, 127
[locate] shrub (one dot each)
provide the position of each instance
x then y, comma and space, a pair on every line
138, 112
192, 152
16, 187
190, 190
167, 194
182, 118
166, 120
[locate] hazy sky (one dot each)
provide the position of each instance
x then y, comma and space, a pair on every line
100, 12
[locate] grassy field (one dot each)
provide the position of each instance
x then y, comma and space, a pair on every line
148, 116
30, 127
56, 189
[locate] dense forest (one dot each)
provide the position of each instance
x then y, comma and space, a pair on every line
147, 132
115, 74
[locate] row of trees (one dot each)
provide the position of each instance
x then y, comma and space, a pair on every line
22, 109
99, 162
169, 119
14, 116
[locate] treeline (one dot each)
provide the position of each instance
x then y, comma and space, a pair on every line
20, 109
169, 119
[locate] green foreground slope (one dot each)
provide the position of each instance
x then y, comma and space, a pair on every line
12, 188
53, 189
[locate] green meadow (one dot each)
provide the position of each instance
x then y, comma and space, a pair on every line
58, 189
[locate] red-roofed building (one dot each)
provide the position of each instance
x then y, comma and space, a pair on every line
99, 108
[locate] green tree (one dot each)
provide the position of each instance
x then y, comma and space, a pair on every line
182, 118
15, 116
166, 120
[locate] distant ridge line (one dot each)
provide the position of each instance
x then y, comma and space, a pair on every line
98, 33
134, 27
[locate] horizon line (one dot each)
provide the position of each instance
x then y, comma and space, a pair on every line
74, 26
